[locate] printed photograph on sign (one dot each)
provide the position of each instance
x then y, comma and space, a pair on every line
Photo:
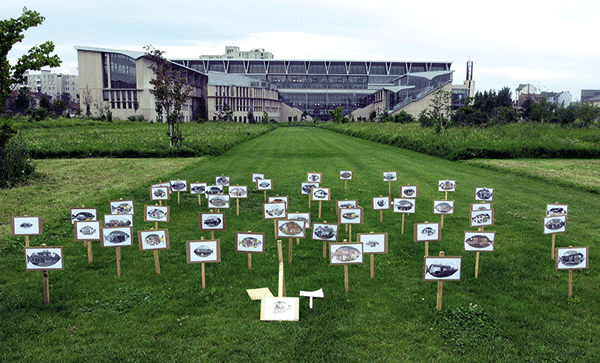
442, 268
555, 224
83, 215
557, 210
287, 228
313, 177
122, 207
179, 185
203, 251
26, 226
219, 201
480, 218
44, 258
346, 175
568, 258
347, 204
408, 191
213, 190
486, 194
325, 231
154, 239
222, 180
351, 216
250, 242
390, 176
443, 207
278, 199
322, 194
212, 221
447, 186
155, 213
345, 253
380, 203
304, 217
197, 188
257, 176
117, 236
159, 193
264, 184
373, 242
427, 232
481, 206
308, 187
280, 309
238, 191
118, 220
274, 210
87, 231
166, 185
403, 205
479, 241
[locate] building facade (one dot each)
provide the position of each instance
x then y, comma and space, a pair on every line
52, 84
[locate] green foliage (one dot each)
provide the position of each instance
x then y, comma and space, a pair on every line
464, 329
7, 131
38, 114
402, 117
11, 32
137, 118
265, 117
16, 167
336, 115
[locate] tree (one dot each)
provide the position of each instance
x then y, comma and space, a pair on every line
227, 113
265, 117
336, 115
11, 32
440, 110
250, 117
171, 92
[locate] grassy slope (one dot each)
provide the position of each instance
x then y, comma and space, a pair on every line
142, 316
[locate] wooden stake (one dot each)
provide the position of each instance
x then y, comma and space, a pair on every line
309, 199
346, 282
298, 241
324, 249
403, 214
477, 264
275, 227
320, 208
89, 251
291, 246
381, 215
553, 244
265, 195
390, 189
118, 249
426, 248
212, 234
156, 263
440, 290
237, 203
203, 275
178, 197
570, 283
46, 287
281, 282
345, 188
249, 261
199, 199
372, 265
26, 240
442, 222
350, 233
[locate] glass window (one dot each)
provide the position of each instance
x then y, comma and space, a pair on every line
122, 71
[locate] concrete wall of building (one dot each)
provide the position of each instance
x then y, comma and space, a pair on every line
415, 108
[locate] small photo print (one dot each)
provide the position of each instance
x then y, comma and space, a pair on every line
322, 194
223, 180
380, 203
479, 241
257, 176
154, 239
44, 258
347, 204
250, 242
159, 193
213, 190
447, 185
325, 231
179, 185
118, 220
404, 205
203, 251
83, 215
555, 224
408, 191
572, 258
442, 268
117, 236
290, 229
345, 175
480, 218
557, 210
155, 213
219, 201
198, 188
374, 242
122, 207
308, 187
303, 217
26, 226
427, 232
264, 184
274, 210
345, 253
351, 216
280, 309
390, 176
278, 199
238, 191
212, 221
481, 206
486, 194
443, 207
87, 231
313, 177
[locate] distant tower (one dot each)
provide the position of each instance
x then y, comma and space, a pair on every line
469, 70
469, 82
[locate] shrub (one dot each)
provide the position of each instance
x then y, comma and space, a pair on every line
16, 166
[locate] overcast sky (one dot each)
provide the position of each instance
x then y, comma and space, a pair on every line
551, 44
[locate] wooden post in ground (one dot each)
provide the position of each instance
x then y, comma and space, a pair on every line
118, 249
89, 251
477, 264
290, 250
156, 262
440, 290
553, 244
372, 265
346, 279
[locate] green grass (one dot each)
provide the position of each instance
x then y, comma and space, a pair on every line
522, 315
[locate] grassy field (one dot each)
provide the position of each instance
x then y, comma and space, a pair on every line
516, 311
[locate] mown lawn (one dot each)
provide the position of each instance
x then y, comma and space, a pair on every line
522, 312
